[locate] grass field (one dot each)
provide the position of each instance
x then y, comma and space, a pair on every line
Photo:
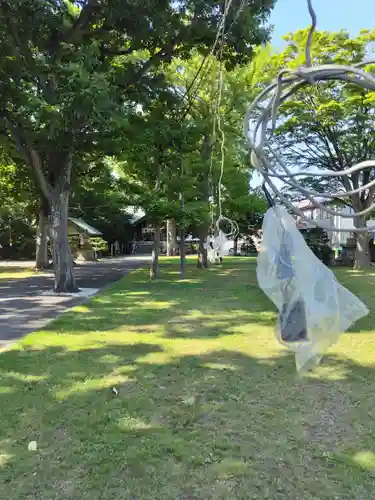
208, 404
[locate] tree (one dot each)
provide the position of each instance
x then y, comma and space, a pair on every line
330, 126
234, 174
71, 70
99, 198
318, 241
17, 211
172, 159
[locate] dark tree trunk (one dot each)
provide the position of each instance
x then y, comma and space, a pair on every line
202, 253
205, 193
61, 254
171, 237
362, 251
182, 254
154, 271
52, 172
41, 260
235, 245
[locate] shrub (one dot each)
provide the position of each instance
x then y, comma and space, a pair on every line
318, 241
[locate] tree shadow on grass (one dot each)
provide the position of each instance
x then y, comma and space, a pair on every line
219, 306
220, 425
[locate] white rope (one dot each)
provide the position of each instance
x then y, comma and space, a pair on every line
268, 161
221, 221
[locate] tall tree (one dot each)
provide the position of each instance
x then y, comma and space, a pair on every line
223, 158
70, 68
330, 126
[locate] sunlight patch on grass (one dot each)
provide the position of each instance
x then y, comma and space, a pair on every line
221, 366
131, 294
91, 384
6, 390
4, 458
359, 347
156, 358
189, 281
81, 309
154, 304
365, 459
129, 423
21, 377
356, 272
327, 372
109, 358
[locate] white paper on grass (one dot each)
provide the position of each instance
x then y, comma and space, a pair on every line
329, 307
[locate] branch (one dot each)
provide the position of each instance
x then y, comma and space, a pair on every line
163, 54
83, 24
30, 154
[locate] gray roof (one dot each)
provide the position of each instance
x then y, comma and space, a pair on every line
91, 231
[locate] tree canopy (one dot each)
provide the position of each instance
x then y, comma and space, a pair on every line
72, 71
330, 126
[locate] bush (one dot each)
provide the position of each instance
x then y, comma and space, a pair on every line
318, 241
248, 247
99, 245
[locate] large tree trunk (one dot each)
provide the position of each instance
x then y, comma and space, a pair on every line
171, 237
41, 260
54, 184
182, 254
154, 271
61, 254
362, 252
235, 246
202, 252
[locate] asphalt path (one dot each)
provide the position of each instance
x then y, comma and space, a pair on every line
24, 308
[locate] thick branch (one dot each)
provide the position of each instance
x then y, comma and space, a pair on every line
83, 24
162, 55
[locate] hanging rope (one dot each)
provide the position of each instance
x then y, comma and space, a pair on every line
217, 124
268, 161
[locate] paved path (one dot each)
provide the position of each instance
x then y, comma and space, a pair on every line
23, 309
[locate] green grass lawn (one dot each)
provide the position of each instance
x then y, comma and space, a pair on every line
208, 406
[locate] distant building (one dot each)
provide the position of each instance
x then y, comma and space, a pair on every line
312, 212
79, 233
143, 233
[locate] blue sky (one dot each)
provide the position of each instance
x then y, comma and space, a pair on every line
290, 15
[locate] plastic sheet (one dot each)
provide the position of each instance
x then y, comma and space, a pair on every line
219, 244
313, 307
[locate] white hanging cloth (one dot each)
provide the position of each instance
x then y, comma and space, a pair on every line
219, 244
313, 307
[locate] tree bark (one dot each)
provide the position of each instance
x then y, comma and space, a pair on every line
41, 260
206, 151
235, 246
154, 271
61, 253
54, 185
171, 237
202, 252
182, 254
362, 252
